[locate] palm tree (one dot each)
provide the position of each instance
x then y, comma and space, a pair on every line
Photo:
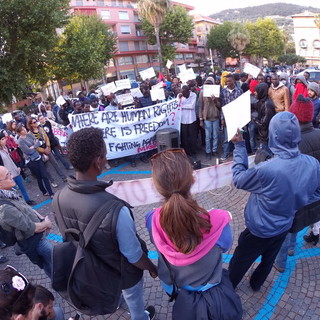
239, 38
153, 11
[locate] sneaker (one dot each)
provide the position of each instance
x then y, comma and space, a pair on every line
281, 270
4, 259
223, 159
54, 185
46, 194
151, 312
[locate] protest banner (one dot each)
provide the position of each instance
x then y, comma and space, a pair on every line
237, 114
62, 133
125, 99
109, 88
136, 93
142, 192
157, 94
129, 132
147, 74
251, 69
123, 84
169, 64
211, 90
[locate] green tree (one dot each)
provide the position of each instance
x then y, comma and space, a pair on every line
177, 26
291, 59
266, 39
27, 37
218, 40
84, 47
154, 11
239, 37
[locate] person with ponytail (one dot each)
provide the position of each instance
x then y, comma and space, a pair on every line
190, 241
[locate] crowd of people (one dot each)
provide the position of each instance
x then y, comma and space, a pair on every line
284, 135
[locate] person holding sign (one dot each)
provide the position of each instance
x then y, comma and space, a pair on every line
209, 114
188, 120
190, 241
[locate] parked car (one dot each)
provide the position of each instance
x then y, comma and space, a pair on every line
314, 74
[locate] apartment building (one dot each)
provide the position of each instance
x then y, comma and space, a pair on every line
133, 52
307, 37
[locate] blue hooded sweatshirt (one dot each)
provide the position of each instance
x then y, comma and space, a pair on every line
279, 186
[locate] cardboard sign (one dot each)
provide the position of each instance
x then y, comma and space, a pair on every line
251, 69
157, 86
125, 99
169, 64
123, 84
109, 88
157, 94
211, 90
136, 93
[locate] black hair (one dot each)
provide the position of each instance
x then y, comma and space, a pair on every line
84, 146
230, 75
13, 301
42, 295
243, 75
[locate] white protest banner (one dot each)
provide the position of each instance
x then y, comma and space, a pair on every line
123, 84
182, 68
129, 132
211, 90
147, 74
251, 69
157, 86
62, 134
169, 64
136, 92
109, 88
237, 114
141, 192
125, 99
157, 94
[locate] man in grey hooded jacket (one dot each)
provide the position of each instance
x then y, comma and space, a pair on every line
279, 187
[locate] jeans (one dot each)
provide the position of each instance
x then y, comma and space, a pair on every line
212, 133
289, 243
249, 248
19, 182
135, 301
62, 159
44, 250
39, 170
54, 163
228, 146
252, 133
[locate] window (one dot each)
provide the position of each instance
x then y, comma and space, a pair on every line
139, 31
105, 14
303, 43
316, 44
79, 3
183, 46
125, 61
120, 3
189, 56
123, 15
125, 29
137, 45
100, 3
113, 3
136, 18
124, 46
179, 56
155, 58
142, 59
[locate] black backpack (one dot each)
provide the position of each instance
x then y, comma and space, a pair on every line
78, 275
7, 237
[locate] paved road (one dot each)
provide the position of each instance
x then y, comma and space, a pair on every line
291, 295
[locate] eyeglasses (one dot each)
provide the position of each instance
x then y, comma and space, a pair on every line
173, 150
19, 282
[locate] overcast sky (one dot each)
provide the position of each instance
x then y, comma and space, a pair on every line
207, 7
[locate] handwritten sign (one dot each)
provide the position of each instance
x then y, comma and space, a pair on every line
251, 69
60, 101
187, 75
147, 74
157, 94
62, 134
158, 85
133, 131
125, 99
211, 90
169, 64
136, 93
109, 88
237, 114
182, 68
123, 84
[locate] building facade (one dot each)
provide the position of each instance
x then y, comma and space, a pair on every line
307, 37
133, 52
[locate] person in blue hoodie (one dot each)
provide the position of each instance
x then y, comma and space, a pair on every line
279, 187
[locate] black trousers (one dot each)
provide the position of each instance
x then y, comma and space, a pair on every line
248, 250
189, 138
